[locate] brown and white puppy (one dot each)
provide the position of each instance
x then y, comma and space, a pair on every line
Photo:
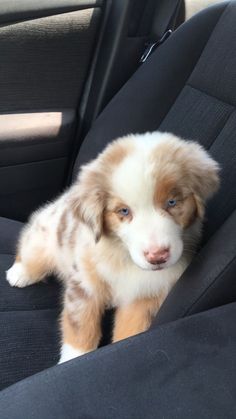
121, 236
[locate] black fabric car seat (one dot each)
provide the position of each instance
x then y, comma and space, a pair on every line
188, 87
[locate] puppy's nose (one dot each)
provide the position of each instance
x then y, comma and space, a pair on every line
157, 255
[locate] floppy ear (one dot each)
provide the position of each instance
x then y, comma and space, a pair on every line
88, 198
203, 174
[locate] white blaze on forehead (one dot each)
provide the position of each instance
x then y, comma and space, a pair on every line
133, 181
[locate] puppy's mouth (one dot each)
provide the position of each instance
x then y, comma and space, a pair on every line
157, 267
160, 266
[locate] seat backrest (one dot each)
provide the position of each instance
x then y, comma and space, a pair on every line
187, 87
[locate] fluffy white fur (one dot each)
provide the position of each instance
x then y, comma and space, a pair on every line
101, 254
68, 352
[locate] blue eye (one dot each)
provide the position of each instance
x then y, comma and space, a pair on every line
124, 211
171, 203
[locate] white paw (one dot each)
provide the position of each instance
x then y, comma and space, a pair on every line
68, 352
16, 276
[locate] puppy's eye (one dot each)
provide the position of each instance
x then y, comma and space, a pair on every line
124, 212
171, 203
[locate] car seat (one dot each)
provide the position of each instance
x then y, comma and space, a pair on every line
185, 365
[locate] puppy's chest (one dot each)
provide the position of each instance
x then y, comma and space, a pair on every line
126, 285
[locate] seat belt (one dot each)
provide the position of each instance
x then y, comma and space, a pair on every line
164, 22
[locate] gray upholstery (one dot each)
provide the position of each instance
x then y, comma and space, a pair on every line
28, 318
181, 370
29, 46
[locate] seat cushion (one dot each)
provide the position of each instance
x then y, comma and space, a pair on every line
29, 338
44, 295
181, 370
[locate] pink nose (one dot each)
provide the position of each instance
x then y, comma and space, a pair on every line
157, 255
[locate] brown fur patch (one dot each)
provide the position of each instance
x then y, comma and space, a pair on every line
38, 265
165, 189
111, 222
89, 196
136, 317
62, 227
101, 288
185, 211
112, 216
81, 319
116, 153
84, 330
88, 200
187, 166
73, 233
200, 206
18, 258
182, 173
75, 291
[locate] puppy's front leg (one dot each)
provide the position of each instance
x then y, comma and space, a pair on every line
80, 322
135, 317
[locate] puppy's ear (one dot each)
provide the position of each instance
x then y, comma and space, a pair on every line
203, 174
88, 198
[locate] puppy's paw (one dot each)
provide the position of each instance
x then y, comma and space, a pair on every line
17, 277
68, 352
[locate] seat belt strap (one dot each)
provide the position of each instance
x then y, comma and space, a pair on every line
162, 26
150, 47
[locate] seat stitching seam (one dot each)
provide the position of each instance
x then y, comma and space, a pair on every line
222, 128
187, 311
29, 309
209, 94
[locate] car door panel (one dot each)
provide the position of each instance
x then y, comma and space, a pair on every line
34, 150
46, 60
44, 65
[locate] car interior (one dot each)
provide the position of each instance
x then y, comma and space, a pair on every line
74, 75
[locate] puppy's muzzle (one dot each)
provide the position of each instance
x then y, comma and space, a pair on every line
157, 255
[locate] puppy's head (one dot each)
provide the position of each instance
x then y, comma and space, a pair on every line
147, 191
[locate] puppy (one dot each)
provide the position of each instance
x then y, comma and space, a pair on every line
121, 236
